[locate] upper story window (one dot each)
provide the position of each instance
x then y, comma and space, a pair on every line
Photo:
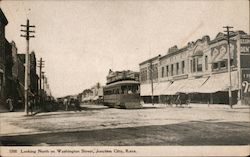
144, 74
194, 65
206, 63
167, 70
199, 64
191, 66
155, 71
182, 67
215, 66
177, 68
172, 70
162, 72
223, 64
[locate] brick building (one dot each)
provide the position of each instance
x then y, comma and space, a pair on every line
200, 70
3, 23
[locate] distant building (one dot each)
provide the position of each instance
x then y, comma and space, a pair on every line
33, 76
3, 23
8, 70
200, 70
92, 95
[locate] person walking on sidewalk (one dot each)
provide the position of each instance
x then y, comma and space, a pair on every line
10, 104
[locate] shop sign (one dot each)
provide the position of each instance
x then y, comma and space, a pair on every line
246, 82
245, 41
245, 46
245, 49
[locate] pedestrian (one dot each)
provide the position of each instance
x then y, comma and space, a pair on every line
30, 105
10, 104
65, 102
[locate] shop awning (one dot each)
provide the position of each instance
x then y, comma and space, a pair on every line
193, 85
175, 87
158, 88
145, 89
220, 82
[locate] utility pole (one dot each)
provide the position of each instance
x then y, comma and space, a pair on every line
229, 64
40, 66
27, 62
152, 83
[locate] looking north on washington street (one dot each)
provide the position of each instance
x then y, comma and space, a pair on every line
124, 77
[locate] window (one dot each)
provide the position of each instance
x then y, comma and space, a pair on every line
167, 71
223, 64
177, 68
182, 67
162, 71
194, 65
206, 63
172, 70
144, 74
155, 71
231, 62
191, 65
215, 65
199, 64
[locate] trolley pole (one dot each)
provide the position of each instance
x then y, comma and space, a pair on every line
229, 65
27, 62
40, 66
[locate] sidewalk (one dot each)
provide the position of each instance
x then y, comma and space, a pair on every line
196, 105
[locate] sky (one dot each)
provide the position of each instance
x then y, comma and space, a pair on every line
81, 40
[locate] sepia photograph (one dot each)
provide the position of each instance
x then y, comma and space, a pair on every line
124, 78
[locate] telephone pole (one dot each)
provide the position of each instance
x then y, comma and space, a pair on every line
229, 64
152, 82
27, 61
40, 66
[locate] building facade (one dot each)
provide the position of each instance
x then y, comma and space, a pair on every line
3, 23
200, 69
92, 95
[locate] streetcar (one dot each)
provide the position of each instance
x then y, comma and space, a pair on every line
122, 94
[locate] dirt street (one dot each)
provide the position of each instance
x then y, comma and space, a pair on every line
152, 126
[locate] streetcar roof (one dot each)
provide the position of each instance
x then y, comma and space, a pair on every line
123, 82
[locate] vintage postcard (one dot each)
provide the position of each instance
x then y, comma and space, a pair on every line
124, 78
